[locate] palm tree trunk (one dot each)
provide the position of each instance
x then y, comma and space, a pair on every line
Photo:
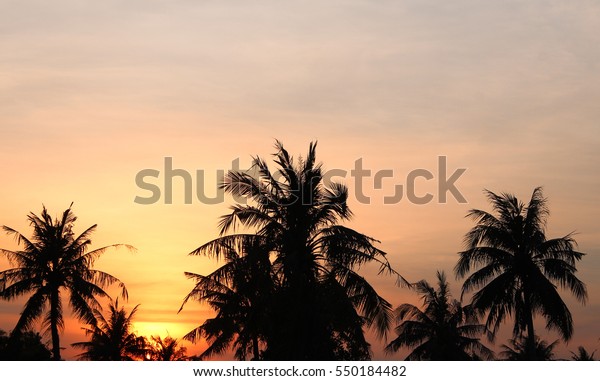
54, 316
530, 330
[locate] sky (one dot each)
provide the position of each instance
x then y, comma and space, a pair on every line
93, 93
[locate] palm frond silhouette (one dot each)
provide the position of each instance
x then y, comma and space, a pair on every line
515, 270
53, 261
443, 330
317, 304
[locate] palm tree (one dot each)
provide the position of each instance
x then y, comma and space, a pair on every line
443, 330
53, 261
167, 349
583, 355
239, 291
518, 351
313, 259
516, 270
112, 339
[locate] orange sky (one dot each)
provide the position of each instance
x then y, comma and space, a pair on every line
90, 95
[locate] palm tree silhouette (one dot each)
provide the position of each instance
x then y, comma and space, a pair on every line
52, 261
239, 291
519, 351
313, 259
516, 270
443, 330
583, 355
111, 339
167, 349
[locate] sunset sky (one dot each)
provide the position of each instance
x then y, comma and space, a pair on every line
92, 94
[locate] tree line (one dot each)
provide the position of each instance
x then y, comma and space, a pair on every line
289, 286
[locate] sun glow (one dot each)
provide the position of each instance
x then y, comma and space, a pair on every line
159, 328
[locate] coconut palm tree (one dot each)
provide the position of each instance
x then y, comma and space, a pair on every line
167, 349
443, 330
239, 291
298, 215
515, 270
55, 260
518, 350
111, 339
583, 355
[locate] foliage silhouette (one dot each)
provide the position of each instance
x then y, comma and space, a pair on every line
515, 270
444, 330
240, 292
27, 346
519, 351
111, 339
583, 355
167, 349
52, 261
318, 304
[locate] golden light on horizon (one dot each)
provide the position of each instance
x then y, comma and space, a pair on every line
159, 328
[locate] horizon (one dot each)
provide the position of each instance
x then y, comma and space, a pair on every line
93, 95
